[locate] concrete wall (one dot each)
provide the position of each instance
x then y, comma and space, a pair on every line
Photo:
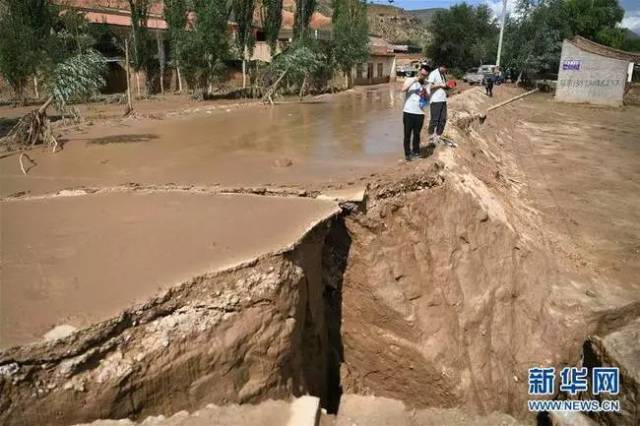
590, 78
382, 63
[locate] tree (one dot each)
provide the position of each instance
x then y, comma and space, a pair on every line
588, 17
458, 32
175, 13
140, 40
301, 59
533, 40
243, 11
61, 55
206, 46
25, 36
271, 14
350, 35
302, 18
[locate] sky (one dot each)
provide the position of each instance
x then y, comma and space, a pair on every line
631, 18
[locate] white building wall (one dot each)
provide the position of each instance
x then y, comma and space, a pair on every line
590, 78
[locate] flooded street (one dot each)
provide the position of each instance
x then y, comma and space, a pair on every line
325, 139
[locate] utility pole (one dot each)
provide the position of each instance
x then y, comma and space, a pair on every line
502, 19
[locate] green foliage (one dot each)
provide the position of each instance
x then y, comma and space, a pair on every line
461, 36
588, 17
271, 12
300, 59
630, 43
611, 36
533, 40
175, 13
76, 77
141, 42
243, 13
25, 39
350, 33
302, 18
206, 47
73, 33
465, 36
35, 39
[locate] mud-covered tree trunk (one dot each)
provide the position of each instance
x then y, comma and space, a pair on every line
128, 71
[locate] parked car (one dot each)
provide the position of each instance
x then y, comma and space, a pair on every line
410, 70
476, 75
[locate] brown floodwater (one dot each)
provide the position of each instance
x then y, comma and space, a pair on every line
325, 139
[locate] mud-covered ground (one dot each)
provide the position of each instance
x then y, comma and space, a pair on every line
456, 274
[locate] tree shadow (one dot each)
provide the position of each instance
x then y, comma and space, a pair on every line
6, 124
115, 139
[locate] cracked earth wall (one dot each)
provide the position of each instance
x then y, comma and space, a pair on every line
244, 335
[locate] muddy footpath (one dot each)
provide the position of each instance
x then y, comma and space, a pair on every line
184, 272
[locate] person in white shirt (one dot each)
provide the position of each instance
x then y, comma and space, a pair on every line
436, 88
412, 113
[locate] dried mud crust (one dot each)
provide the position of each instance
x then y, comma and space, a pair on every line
243, 335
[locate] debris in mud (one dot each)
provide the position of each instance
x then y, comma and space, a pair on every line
60, 332
283, 162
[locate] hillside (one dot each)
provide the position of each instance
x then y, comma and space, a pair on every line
398, 25
425, 15
394, 24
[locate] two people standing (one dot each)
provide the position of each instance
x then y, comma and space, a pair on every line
426, 88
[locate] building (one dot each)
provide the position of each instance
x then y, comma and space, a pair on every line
380, 68
592, 73
115, 15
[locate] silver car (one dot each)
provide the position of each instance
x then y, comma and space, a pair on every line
476, 75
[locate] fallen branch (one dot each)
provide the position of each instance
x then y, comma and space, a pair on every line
271, 91
22, 155
515, 98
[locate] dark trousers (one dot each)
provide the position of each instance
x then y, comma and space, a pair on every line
438, 118
490, 89
412, 125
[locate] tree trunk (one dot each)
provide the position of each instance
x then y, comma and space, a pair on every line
35, 87
44, 106
244, 73
304, 83
138, 83
128, 70
161, 60
179, 77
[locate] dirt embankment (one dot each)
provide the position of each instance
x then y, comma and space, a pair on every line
452, 291
239, 336
441, 291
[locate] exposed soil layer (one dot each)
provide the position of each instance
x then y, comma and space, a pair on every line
454, 276
451, 293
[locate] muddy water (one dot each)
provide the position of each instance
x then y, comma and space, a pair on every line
331, 138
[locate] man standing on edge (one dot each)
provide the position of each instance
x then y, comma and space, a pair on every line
436, 88
412, 114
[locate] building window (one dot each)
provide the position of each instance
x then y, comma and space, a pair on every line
380, 69
369, 71
360, 71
